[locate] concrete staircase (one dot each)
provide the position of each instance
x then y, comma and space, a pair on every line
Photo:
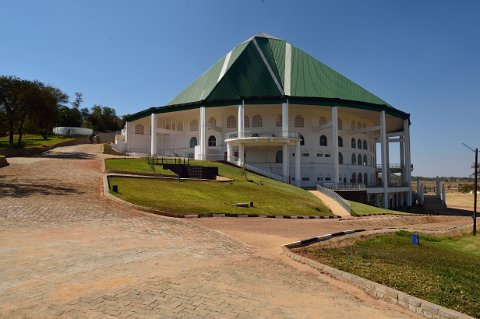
434, 204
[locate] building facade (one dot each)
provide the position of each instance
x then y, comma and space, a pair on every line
275, 110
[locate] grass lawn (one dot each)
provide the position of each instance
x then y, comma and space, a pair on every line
33, 140
270, 197
443, 270
135, 165
359, 209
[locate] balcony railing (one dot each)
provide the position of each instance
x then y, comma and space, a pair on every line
341, 186
393, 166
262, 134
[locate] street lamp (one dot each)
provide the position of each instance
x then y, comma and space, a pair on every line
475, 188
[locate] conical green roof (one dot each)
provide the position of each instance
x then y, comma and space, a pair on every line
265, 69
264, 66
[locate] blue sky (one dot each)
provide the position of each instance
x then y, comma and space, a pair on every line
423, 57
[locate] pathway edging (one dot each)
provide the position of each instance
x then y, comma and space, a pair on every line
417, 305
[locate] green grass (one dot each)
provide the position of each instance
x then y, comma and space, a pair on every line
270, 197
33, 141
135, 165
359, 209
442, 270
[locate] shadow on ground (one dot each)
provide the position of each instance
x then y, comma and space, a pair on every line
12, 188
66, 155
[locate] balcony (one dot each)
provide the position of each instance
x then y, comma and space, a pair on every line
393, 167
264, 137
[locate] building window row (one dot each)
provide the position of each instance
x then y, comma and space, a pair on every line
359, 144
359, 160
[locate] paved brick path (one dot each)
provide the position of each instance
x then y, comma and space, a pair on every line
67, 252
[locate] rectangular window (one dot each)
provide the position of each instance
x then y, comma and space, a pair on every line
306, 179
305, 154
327, 155
327, 179
319, 155
319, 179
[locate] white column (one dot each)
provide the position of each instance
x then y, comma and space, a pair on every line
336, 166
153, 134
444, 196
383, 139
438, 188
408, 159
229, 152
203, 133
285, 119
127, 130
286, 165
241, 117
402, 160
298, 178
241, 154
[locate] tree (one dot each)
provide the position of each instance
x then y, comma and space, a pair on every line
104, 118
8, 98
30, 102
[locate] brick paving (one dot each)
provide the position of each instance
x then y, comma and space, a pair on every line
65, 251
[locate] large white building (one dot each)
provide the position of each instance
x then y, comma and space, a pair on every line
272, 108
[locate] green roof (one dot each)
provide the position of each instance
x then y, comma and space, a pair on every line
264, 69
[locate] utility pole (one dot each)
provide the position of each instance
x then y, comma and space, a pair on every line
475, 194
475, 188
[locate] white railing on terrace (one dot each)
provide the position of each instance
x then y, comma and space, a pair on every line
393, 166
260, 133
339, 199
340, 186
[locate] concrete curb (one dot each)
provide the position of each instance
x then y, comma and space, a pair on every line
106, 194
417, 305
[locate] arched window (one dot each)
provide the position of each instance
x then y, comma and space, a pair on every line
212, 121
299, 121
279, 157
359, 178
354, 159
193, 142
340, 158
278, 121
340, 124
302, 140
365, 160
359, 144
354, 178
322, 121
139, 129
246, 121
231, 122
365, 178
194, 125
212, 141
340, 141
354, 145
257, 121
365, 145
323, 140
359, 161
352, 125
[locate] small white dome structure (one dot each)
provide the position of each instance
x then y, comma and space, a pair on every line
72, 131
